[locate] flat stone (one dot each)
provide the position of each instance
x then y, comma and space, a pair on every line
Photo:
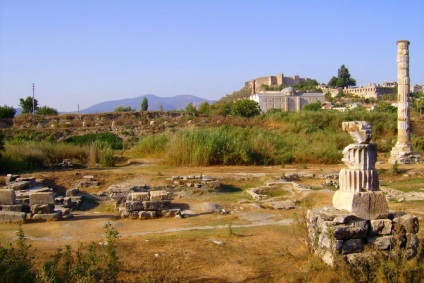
155, 205
365, 205
57, 215
41, 198
12, 216
22, 185
138, 196
7, 197
159, 195
15, 207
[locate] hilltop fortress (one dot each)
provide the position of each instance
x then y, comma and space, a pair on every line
274, 81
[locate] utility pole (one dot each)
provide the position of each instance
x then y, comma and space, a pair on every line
33, 99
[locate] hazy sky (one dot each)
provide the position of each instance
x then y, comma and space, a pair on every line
88, 51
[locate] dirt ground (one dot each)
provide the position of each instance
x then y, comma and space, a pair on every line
250, 244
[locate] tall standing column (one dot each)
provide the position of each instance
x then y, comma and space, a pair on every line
402, 151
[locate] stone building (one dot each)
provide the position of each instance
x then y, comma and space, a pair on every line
274, 81
287, 99
371, 91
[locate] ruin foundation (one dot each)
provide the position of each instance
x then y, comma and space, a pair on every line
359, 216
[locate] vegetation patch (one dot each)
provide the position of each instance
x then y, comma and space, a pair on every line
110, 139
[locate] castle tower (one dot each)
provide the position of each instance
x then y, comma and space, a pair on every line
402, 151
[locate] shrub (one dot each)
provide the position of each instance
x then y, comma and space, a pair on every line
45, 110
7, 111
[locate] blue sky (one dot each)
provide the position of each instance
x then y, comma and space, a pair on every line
82, 52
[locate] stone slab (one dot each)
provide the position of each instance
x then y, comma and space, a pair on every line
57, 215
365, 205
159, 195
21, 185
41, 198
138, 196
12, 216
7, 197
155, 205
15, 207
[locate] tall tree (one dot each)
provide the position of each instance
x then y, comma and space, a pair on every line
343, 78
144, 104
27, 104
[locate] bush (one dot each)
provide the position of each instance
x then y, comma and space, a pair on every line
245, 108
97, 263
7, 111
45, 110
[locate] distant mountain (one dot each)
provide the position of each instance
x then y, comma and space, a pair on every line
168, 103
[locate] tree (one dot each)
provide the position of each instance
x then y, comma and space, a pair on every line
27, 104
245, 108
144, 104
312, 106
343, 78
161, 108
7, 111
45, 110
204, 108
191, 109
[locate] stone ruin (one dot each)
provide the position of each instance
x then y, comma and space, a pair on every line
24, 199
139, 202
359, 217
143, 202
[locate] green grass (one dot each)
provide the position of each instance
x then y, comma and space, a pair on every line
414, 185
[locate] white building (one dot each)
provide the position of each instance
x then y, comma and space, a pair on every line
287, 99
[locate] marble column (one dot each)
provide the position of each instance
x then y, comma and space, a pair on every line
402, 151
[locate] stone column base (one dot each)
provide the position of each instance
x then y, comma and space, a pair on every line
365, 205
404, 155
335, 235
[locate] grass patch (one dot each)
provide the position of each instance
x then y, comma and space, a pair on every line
414, 185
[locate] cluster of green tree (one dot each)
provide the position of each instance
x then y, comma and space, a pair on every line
343, 78
94, 263
241, 107
121, 108
29, 104
307, 86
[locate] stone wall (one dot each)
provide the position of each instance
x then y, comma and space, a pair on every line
334, 233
